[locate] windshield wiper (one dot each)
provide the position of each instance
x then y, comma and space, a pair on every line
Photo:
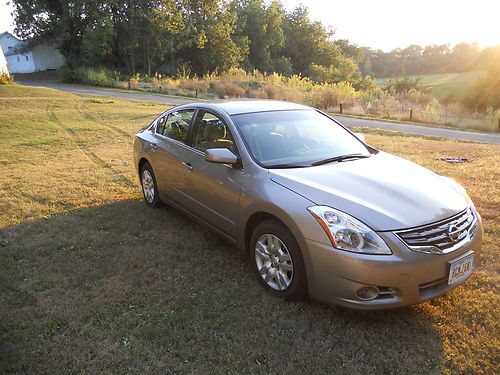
282, 166
340, 158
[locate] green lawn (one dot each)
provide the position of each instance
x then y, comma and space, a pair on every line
94, 282
444, 85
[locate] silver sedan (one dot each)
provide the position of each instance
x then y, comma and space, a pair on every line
320, 213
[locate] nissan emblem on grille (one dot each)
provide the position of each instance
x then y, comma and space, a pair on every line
453, 232
443, 236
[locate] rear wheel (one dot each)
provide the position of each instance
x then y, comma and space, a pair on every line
277, 260
149, 186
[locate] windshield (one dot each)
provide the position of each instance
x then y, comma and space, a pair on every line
295, 138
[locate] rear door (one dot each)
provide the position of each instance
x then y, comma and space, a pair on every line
171, 133
214, 189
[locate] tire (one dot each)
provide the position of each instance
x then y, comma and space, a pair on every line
277, 261
149, 186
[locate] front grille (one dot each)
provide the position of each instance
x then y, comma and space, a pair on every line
436, 238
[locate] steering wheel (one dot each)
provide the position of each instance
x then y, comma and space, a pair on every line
176, 127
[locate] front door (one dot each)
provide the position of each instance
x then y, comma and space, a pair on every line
214, 189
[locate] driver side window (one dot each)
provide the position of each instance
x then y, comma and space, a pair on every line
175, 125
212, 132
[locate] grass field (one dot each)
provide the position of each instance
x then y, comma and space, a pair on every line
94, 282
445, 85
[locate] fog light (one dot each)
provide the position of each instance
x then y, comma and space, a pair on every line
367, 293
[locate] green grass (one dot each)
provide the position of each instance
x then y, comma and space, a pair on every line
94, 282
445, 85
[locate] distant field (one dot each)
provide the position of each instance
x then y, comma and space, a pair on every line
94, 282
443, 85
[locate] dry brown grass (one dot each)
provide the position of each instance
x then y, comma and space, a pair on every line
228, 90
467, 319
92, 281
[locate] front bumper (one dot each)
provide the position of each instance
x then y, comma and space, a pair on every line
405, 278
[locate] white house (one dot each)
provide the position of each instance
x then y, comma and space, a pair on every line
3, 63
42, 56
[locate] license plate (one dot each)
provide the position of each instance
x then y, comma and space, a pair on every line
461, 269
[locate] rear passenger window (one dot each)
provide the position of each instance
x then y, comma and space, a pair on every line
175, 125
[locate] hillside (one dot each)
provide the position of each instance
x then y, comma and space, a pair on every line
444, 85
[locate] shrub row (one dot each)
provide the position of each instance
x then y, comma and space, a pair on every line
390, 103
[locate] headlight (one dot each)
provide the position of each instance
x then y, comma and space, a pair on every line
347, 233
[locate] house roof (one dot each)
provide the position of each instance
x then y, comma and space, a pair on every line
5, 33
16, 47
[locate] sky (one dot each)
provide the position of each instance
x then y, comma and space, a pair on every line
389, 24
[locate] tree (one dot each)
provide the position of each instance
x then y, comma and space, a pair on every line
415, 59
351, 50
262, 27
305, 41
211, 28
65, 21
344, 70
465, 56
168, 22
486, 92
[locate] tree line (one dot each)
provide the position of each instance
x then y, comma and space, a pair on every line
415, 59
201, 37
207, 36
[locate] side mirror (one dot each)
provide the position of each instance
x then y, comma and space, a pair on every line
220, 155
360, 136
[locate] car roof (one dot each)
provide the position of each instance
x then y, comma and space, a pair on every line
236, 107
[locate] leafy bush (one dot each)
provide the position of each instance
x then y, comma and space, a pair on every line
329, 97
169, 82
257, 94
395, 101
90, 76
433, 110
156, 81
194, 85
134, 81
228, 90
486, 92
344, 70
101, 101
379, 103
271, 91
5, 79
291, 95
414, 96
404, 84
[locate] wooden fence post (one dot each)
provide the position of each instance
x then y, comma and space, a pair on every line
341, 108
129, 84
411, 114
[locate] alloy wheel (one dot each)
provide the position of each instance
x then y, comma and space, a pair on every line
274, 262
148, 186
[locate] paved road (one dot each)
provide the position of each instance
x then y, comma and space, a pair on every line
407, 128
410, 128
113, 93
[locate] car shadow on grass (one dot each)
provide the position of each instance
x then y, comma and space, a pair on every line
123, 288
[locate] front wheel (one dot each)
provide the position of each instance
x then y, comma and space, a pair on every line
277, 260
149, 186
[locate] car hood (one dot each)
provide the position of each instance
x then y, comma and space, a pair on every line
384, 191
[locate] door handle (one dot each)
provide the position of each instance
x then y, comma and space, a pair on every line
188, 166
153, 147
